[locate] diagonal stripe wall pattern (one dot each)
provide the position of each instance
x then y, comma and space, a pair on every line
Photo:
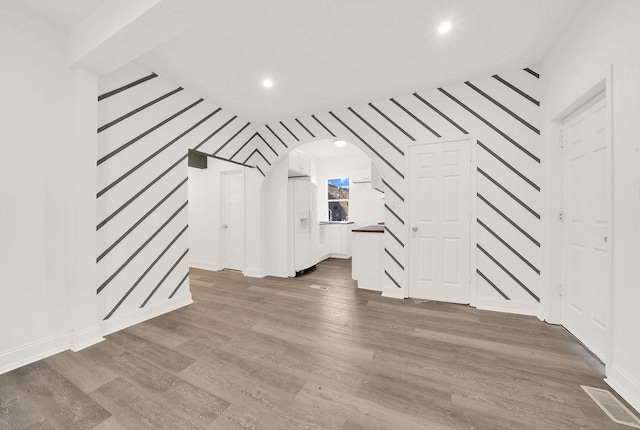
147, 124
146, 127
503, 113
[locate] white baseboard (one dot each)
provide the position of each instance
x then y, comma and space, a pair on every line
399, 294
625, 385
119, 323
85, 338
31, 352
254, 273
214, 267
341, 256
509, 306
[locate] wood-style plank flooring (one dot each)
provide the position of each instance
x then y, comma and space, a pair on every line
276, 354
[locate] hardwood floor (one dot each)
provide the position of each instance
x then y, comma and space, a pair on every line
275, 354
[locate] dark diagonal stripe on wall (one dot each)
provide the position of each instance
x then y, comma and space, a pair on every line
216, 131
179, 285
148, 269
393, 213
152, 156
323, 126
139, 193
495, 287
138, 110
157, 178
509, 247
152, 129
382, 114
259, 153
230, 161
394, 258
260, 170
509, 220
368, 146
126, 87
305, 128
377, 132
491, 126
290, 132
232, 137
164, 278
516, 89
277, 137
509, 193
418, 120
505, 270
503, 107
386, 184
439, 112
137, 251
267, 143
392, 280
393, 236
531, 72
137, 223
509, 166
243, 145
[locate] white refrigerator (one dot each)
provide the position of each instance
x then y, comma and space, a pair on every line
303, 227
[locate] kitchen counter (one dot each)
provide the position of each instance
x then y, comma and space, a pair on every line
370, 229
335, 222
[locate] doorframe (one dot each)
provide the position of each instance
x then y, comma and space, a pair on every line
473, 187
554, 231
223, 245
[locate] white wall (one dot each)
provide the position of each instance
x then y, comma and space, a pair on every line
36, 88
205, 214
605, 33
365, 205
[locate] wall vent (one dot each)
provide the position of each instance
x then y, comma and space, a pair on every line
612, 407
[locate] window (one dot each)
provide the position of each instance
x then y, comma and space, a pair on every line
338, 199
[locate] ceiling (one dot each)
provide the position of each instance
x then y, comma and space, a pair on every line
330, 54
325, 149
62, 13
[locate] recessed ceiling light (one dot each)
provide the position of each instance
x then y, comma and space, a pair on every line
444, 27
339, 143
267, 83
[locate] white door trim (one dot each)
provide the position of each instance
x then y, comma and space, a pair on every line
473, 187
552, 252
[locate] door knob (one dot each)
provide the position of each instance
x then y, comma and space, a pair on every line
414, 229
224, 226
605, 239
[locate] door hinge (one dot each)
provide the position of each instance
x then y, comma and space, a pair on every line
561, 216
560, 290
561, 139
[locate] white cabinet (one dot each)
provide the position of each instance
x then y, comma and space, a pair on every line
324, 242
335, 241
367, 263
299, 164
360, 176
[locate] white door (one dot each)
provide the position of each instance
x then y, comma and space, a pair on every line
440, 221
233, 220
586, 290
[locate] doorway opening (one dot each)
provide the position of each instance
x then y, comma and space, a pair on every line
315, 198
217, 215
